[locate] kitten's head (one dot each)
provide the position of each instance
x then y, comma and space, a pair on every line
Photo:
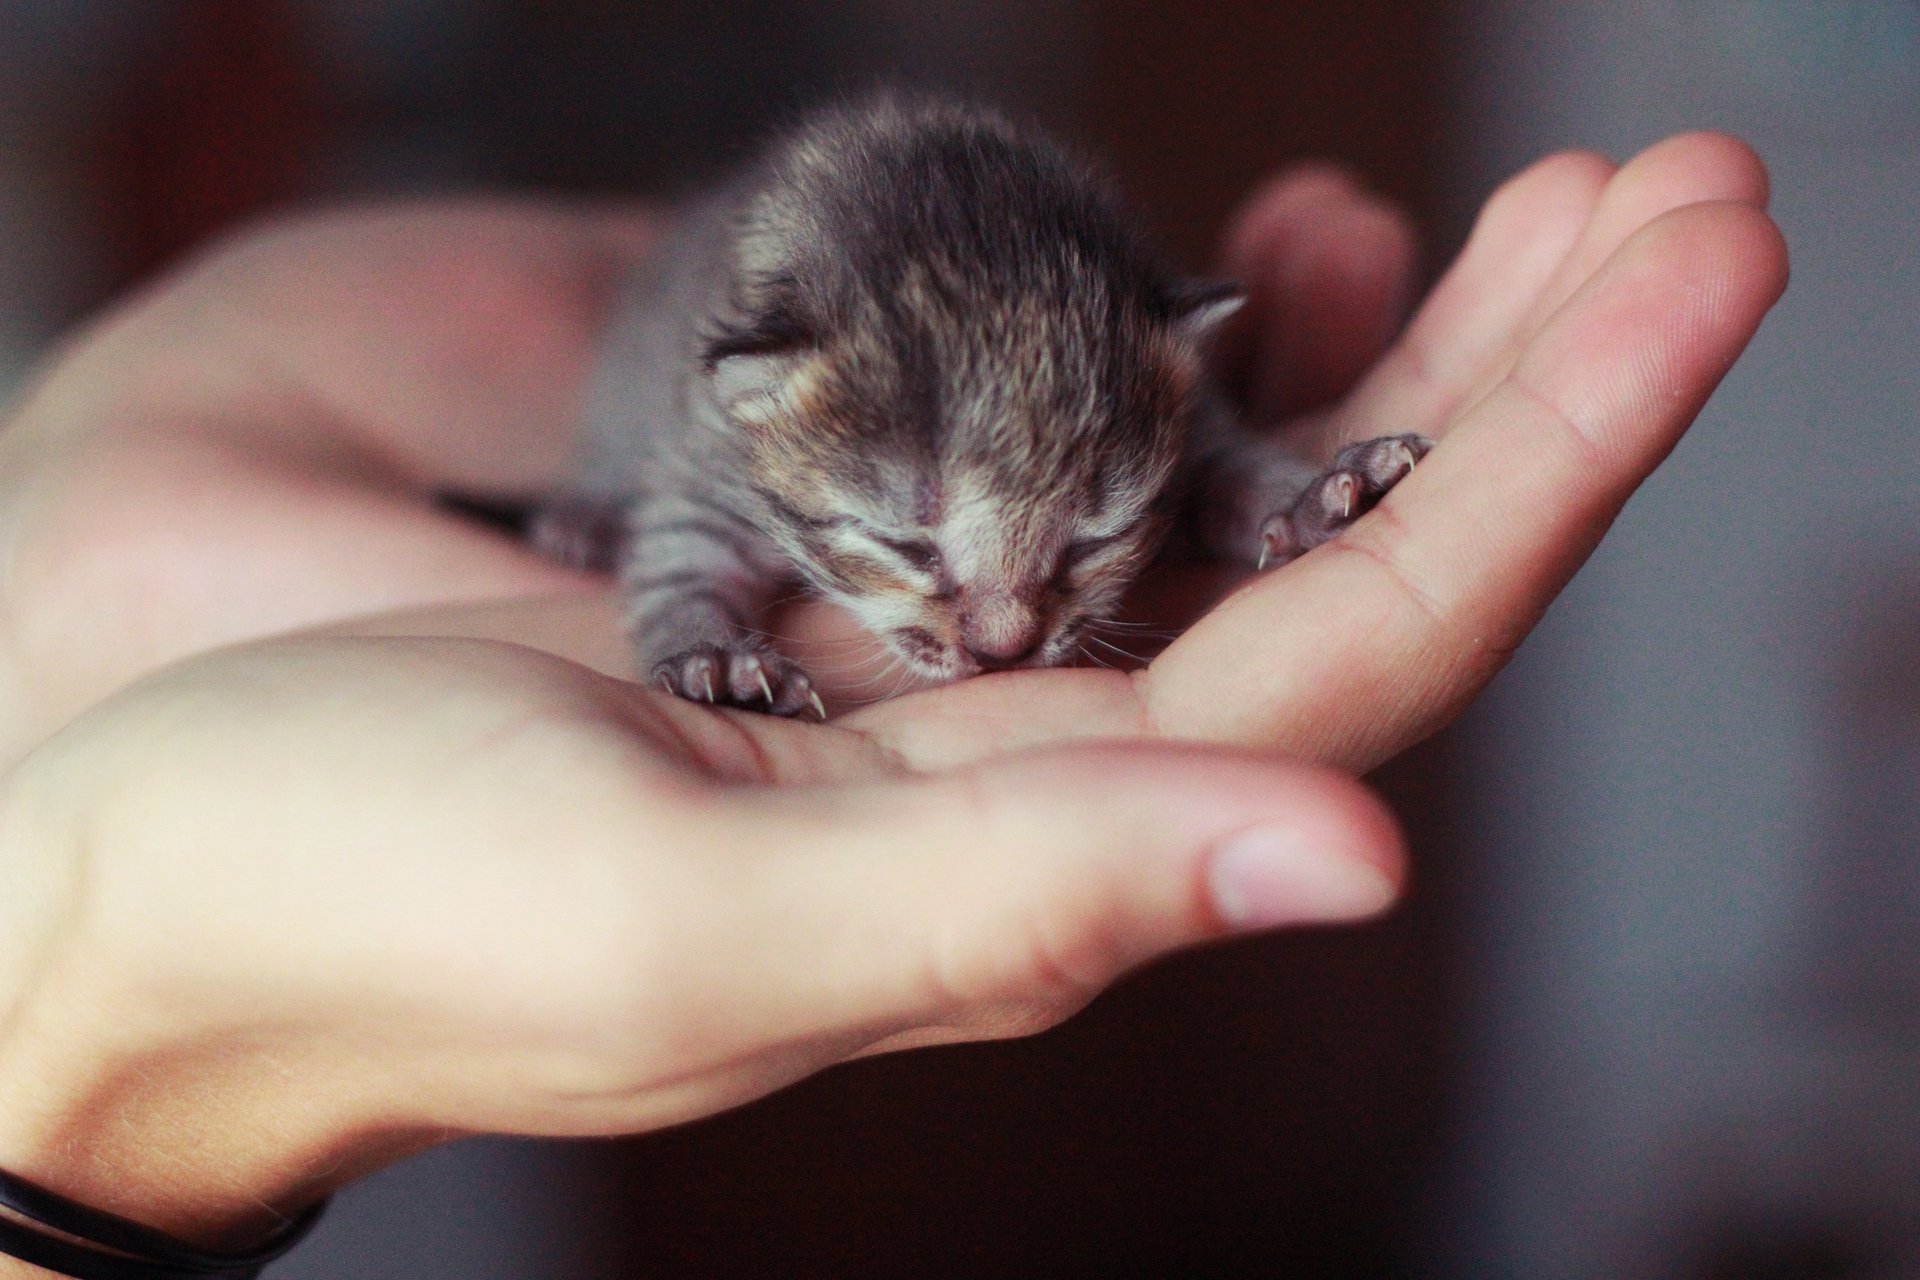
964, 384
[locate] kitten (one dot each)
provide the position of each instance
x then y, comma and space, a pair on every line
917, 359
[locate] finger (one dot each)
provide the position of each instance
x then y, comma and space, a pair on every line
1367, 644
1327, 268
1526, 231
997, 900
1691, 168
1453, 367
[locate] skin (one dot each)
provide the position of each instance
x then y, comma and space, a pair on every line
289, 909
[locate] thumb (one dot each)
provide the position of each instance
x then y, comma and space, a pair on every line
998, 899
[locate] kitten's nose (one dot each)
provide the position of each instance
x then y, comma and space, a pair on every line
998, 630
1005, 656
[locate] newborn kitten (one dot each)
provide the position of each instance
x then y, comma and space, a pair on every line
917, 359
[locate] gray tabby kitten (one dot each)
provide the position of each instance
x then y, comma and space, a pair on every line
918, 360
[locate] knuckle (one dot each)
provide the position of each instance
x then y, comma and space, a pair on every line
1033, 972
1582, 440
1382, 542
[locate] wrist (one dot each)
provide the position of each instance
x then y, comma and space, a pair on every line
131, 1093
188, 1143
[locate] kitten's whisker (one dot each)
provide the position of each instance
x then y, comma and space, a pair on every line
870, 674
829, 642
789, 598
900, 686
1138, 630
1107, 644
1094, 658
846, 653
878, 658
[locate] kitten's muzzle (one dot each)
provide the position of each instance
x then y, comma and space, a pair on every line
999, 631
989, 661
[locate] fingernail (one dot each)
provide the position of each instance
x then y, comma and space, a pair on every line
1265, 877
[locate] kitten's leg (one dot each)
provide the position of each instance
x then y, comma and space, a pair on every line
1261, 503
695, 581
580, 532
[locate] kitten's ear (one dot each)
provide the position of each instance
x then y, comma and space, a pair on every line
1197, 308
738, 378
754, 359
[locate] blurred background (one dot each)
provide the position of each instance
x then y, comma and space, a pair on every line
1653, 1008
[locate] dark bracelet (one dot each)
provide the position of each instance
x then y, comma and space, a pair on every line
116, 1248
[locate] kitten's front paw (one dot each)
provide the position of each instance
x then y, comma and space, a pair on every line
1360, 476
739, 675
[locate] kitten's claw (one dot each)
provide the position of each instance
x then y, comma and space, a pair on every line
738, 675
1360, 476
819, 707
1340, 488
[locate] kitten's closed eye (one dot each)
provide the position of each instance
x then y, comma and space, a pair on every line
798, 518
922, 555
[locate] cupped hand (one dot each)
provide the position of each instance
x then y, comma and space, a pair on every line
434, 884
291, 910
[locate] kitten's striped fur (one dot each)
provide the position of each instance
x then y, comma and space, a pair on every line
916, 358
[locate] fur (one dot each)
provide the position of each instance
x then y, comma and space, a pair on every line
916, 358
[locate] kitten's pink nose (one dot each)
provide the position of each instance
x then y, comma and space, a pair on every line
1000, 633
992, 661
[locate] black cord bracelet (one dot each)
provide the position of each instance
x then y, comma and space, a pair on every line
116, 1248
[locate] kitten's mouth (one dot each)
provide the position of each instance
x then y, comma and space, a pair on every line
929, 656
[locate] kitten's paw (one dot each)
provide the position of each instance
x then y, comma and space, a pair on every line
741, 676
1360, 476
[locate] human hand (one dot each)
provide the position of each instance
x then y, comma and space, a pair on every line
290, 911
309, 439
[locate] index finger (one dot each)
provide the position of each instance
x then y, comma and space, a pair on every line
1368, 644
